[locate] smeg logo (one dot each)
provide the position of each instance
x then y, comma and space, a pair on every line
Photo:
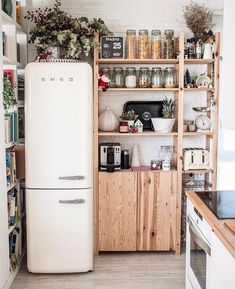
54, 79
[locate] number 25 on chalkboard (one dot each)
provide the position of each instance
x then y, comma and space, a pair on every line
112, 47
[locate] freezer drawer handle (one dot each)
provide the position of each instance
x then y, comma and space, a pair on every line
75, 201
72, 178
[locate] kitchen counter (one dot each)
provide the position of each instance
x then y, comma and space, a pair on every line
224, 229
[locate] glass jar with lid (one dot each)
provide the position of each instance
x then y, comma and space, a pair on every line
143, 44
130, 78
169, 49
170, 77
131, 43
144, 77
156, 77
156, 44
106, 71
118, 77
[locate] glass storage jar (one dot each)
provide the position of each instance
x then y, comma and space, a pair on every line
143, 44
156, 44
118, 77
169, 49
131, 43
156, 77
106, 71
144, 77
170, 77
131, 78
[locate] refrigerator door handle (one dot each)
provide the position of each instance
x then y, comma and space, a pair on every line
72, 178
75, 201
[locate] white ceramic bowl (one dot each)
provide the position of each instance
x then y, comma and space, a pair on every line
163, 124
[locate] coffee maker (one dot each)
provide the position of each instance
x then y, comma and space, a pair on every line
110, 157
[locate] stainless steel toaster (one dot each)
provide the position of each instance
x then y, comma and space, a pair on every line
196, 159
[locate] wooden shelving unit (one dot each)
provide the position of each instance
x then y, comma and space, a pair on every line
15, 33
102, 180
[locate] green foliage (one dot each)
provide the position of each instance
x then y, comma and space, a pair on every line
168, 109
54, 27
129, 115
9, 98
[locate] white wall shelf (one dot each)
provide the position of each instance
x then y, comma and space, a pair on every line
15, 33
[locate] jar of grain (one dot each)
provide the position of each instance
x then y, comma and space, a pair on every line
156, 77
143, 44
170, 77
156, 44
169, 49
118, 77
144, 77
130, 78
131, 44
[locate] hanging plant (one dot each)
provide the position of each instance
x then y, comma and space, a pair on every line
198, 19
54, 27
9, 98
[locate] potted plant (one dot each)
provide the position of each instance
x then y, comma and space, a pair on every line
9, 98
130, 117
56, 34
166, 123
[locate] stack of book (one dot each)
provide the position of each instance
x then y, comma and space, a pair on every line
11, 134
11, 166
14, 248
13, 212
20, 88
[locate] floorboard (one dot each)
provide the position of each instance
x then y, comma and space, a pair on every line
115, 271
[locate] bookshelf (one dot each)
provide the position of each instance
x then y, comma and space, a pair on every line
13, 58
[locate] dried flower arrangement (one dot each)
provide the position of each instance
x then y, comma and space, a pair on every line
198, 19
54, 27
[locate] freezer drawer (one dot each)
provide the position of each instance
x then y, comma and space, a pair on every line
59, 231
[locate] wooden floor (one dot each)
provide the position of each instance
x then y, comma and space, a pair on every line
115, 271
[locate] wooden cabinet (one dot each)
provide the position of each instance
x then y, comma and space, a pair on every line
117, 211
137, 211
157, 195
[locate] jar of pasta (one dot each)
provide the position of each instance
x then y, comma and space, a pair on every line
143, 44
131, 44
144, 77
170, 77
156, 44
169, 49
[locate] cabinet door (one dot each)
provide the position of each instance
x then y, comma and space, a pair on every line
117, 211
157, 195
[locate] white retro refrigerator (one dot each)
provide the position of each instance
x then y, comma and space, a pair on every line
58, 141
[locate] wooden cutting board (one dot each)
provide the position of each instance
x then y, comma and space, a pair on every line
230, 225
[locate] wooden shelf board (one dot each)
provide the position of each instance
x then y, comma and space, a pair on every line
147, 133
11, 187
136, 171
11, 228
6, 19
137, 61
198, 61
197, 171
206, 133
140, 89
198, 89
20, 29
9, 145
8, 61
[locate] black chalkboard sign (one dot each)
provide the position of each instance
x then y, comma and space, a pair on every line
112, 47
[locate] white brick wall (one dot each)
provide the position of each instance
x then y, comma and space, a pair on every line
125, 14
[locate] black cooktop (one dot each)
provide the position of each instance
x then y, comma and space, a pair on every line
221, 203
